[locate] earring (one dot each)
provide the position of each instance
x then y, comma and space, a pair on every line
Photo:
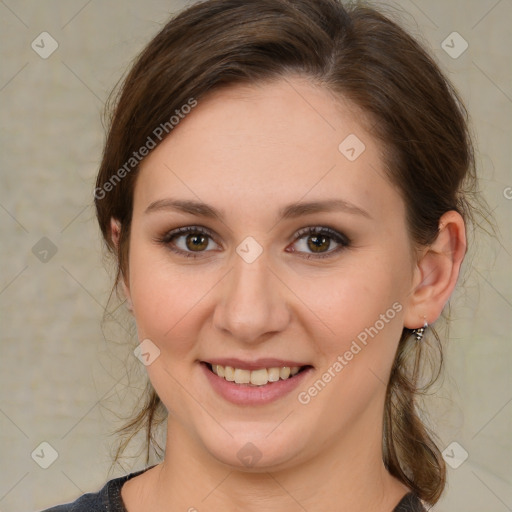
420, 332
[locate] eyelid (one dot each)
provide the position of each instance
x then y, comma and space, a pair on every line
313, 230
185, 230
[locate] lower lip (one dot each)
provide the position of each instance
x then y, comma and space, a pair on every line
245, 394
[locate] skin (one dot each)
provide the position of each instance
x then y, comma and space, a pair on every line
248, 151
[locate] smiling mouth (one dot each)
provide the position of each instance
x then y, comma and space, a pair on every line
259, 377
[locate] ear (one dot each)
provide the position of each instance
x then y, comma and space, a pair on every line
436, 272
115, 233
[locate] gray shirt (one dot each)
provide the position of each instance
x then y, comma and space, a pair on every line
109, 500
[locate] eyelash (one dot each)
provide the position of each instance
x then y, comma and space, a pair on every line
338, 238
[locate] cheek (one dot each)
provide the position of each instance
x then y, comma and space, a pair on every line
358, 301
168, 300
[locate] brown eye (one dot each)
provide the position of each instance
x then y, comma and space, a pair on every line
318, 243
315, 242
196, 242
189, 240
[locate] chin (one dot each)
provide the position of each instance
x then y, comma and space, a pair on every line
254, 450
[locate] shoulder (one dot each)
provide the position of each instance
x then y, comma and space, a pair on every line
91, 502
409, 503
108, 499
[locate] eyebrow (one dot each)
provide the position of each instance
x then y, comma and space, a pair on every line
289, 211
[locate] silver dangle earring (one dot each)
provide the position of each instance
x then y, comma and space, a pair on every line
420, 332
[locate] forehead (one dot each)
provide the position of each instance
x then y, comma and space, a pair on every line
254, 146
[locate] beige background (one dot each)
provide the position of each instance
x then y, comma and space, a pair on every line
62, 375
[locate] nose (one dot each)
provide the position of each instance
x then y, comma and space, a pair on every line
252, 303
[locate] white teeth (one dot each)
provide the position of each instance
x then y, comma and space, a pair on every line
255, 377
273, 374
259, 377
284, 372
242, 376
229, 373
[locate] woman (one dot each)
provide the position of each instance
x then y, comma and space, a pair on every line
282, 188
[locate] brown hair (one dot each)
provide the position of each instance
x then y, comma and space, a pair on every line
353, 51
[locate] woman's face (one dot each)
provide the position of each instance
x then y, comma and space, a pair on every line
248, 172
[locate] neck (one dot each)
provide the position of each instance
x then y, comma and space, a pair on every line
349, 473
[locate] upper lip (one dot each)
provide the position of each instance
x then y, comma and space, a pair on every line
266, 362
